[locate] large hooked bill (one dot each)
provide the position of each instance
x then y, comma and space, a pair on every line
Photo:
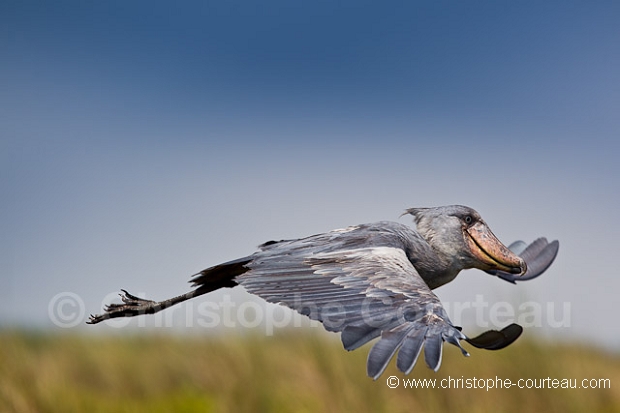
490, 251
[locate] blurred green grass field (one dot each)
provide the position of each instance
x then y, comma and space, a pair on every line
293, 371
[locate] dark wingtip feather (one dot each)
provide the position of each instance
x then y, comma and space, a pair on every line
222, 275
511, 334
496, 340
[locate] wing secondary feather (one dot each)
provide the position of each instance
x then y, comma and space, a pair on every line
362, 291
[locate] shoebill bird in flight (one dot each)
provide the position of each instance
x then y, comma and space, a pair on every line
375, 280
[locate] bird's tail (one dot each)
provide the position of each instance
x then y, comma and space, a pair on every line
220, 276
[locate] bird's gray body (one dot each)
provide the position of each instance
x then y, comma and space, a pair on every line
360, 281
373, 280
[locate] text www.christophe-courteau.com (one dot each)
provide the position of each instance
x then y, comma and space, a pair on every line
496, 383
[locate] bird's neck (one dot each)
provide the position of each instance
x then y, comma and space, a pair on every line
437, 279
437, 268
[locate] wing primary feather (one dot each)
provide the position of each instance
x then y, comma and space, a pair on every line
539, 255
486, 340
496, 340
452, 338
511, 333
542, 260
355, 336
534, 249
517, 247
382, 352
433, 345
410, 350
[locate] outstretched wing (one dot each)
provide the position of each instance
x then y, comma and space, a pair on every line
538, 256
361, 284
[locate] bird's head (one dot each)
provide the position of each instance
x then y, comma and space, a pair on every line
459, 234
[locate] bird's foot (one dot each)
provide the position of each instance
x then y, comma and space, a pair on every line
131, 306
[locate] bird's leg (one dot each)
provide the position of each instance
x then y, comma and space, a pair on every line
133, 306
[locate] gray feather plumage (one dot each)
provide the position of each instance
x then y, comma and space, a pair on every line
358, 281
517, 247
369, 281
538, 255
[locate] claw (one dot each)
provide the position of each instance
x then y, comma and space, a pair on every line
131, 306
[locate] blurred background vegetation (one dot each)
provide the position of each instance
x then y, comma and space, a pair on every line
298, 371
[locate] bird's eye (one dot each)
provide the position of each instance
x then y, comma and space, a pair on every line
468, 219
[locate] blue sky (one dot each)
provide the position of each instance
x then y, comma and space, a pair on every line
142, 142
